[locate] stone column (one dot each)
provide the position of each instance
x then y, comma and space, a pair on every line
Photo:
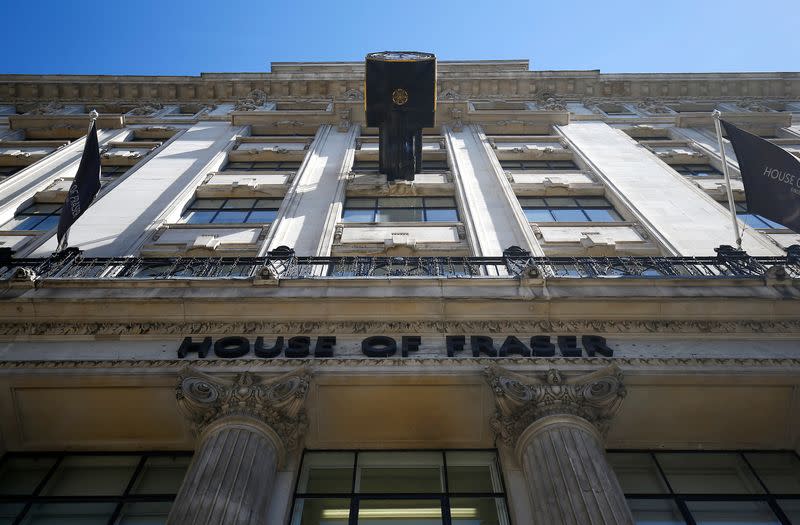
556, 427
245, 427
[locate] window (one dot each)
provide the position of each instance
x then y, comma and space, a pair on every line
753, 220
110, 173
421, 487
707, 488
90, 488
615, 110
400, 209
7, 171
37, 216
262, 166
366, 166
568, 209
231, 211
538, 165
428, 166
697, 170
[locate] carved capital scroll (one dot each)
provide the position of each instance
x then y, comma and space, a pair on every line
276, 402
521, 400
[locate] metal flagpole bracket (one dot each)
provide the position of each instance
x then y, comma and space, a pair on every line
717, 115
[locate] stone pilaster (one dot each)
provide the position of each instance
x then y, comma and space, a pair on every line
246, 426
556, 427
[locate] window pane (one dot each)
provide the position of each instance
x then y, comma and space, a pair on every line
262, 216
563, 202
400, 202
308, 511
23, 223
230, 217
358, 216
43, 208
327, 472
441, 215
360, 203
9, 512
440, 202
91, 476
708, 474
637, 473
562, 215
69, 514
48, 222
779, 472
400, 512
22, 475
162, 475
269, 203
485, 511
601, 215
655, 512
199, 217
791, 507
472, 472
539, 215
207, 204
239, 204
596, 202
532, 201
734, 512
399, 215
150, 513
395, 472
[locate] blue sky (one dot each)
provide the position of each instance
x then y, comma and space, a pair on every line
168, 37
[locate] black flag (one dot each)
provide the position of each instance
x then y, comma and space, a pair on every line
771, 177
85, 185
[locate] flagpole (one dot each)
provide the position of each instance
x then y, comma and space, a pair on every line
92, 119
716, 114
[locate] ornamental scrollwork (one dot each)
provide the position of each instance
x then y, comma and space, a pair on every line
253, 101
278, 402
521, 400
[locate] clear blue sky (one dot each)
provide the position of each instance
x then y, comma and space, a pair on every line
186, 38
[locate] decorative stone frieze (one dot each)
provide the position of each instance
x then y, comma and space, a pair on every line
653, 106
522, 400
47, 108
278, 402
146, 109
253, 101
550, 102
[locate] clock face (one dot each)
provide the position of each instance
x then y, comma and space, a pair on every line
400, 56
399, 96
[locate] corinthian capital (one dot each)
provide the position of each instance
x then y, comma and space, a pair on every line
277, 402
521, 400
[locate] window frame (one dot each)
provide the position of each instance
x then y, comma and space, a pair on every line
423, 209
443, 497
580, 207
192, 207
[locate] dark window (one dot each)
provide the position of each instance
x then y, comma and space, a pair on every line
568, 209
231, 211
7, 171
657, 137
366, 166
400, 209
434, 166
753, 220
90, 488
262, 166
710, 487
697, 170
420, 487
538, 165
37, 216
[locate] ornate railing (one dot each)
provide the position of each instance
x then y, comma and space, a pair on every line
284, 264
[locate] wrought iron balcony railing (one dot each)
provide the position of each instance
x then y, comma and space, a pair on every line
284, 264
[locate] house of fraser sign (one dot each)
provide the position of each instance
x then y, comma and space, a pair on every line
383, 346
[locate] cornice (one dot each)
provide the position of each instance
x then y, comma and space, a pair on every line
676, 327
433, 363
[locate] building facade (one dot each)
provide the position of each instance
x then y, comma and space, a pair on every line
251, 325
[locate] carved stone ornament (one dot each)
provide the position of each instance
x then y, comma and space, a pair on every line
653, 106
449, 94
145, 109
253, 101
47, 108
521, 400
550, 102
353, 94
752, 104
278, 402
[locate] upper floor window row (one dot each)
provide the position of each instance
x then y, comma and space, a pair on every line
539, 165
262, 166
568, 209
232, 211
400, 209
697, 170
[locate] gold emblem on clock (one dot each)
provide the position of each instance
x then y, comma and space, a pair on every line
399, 96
